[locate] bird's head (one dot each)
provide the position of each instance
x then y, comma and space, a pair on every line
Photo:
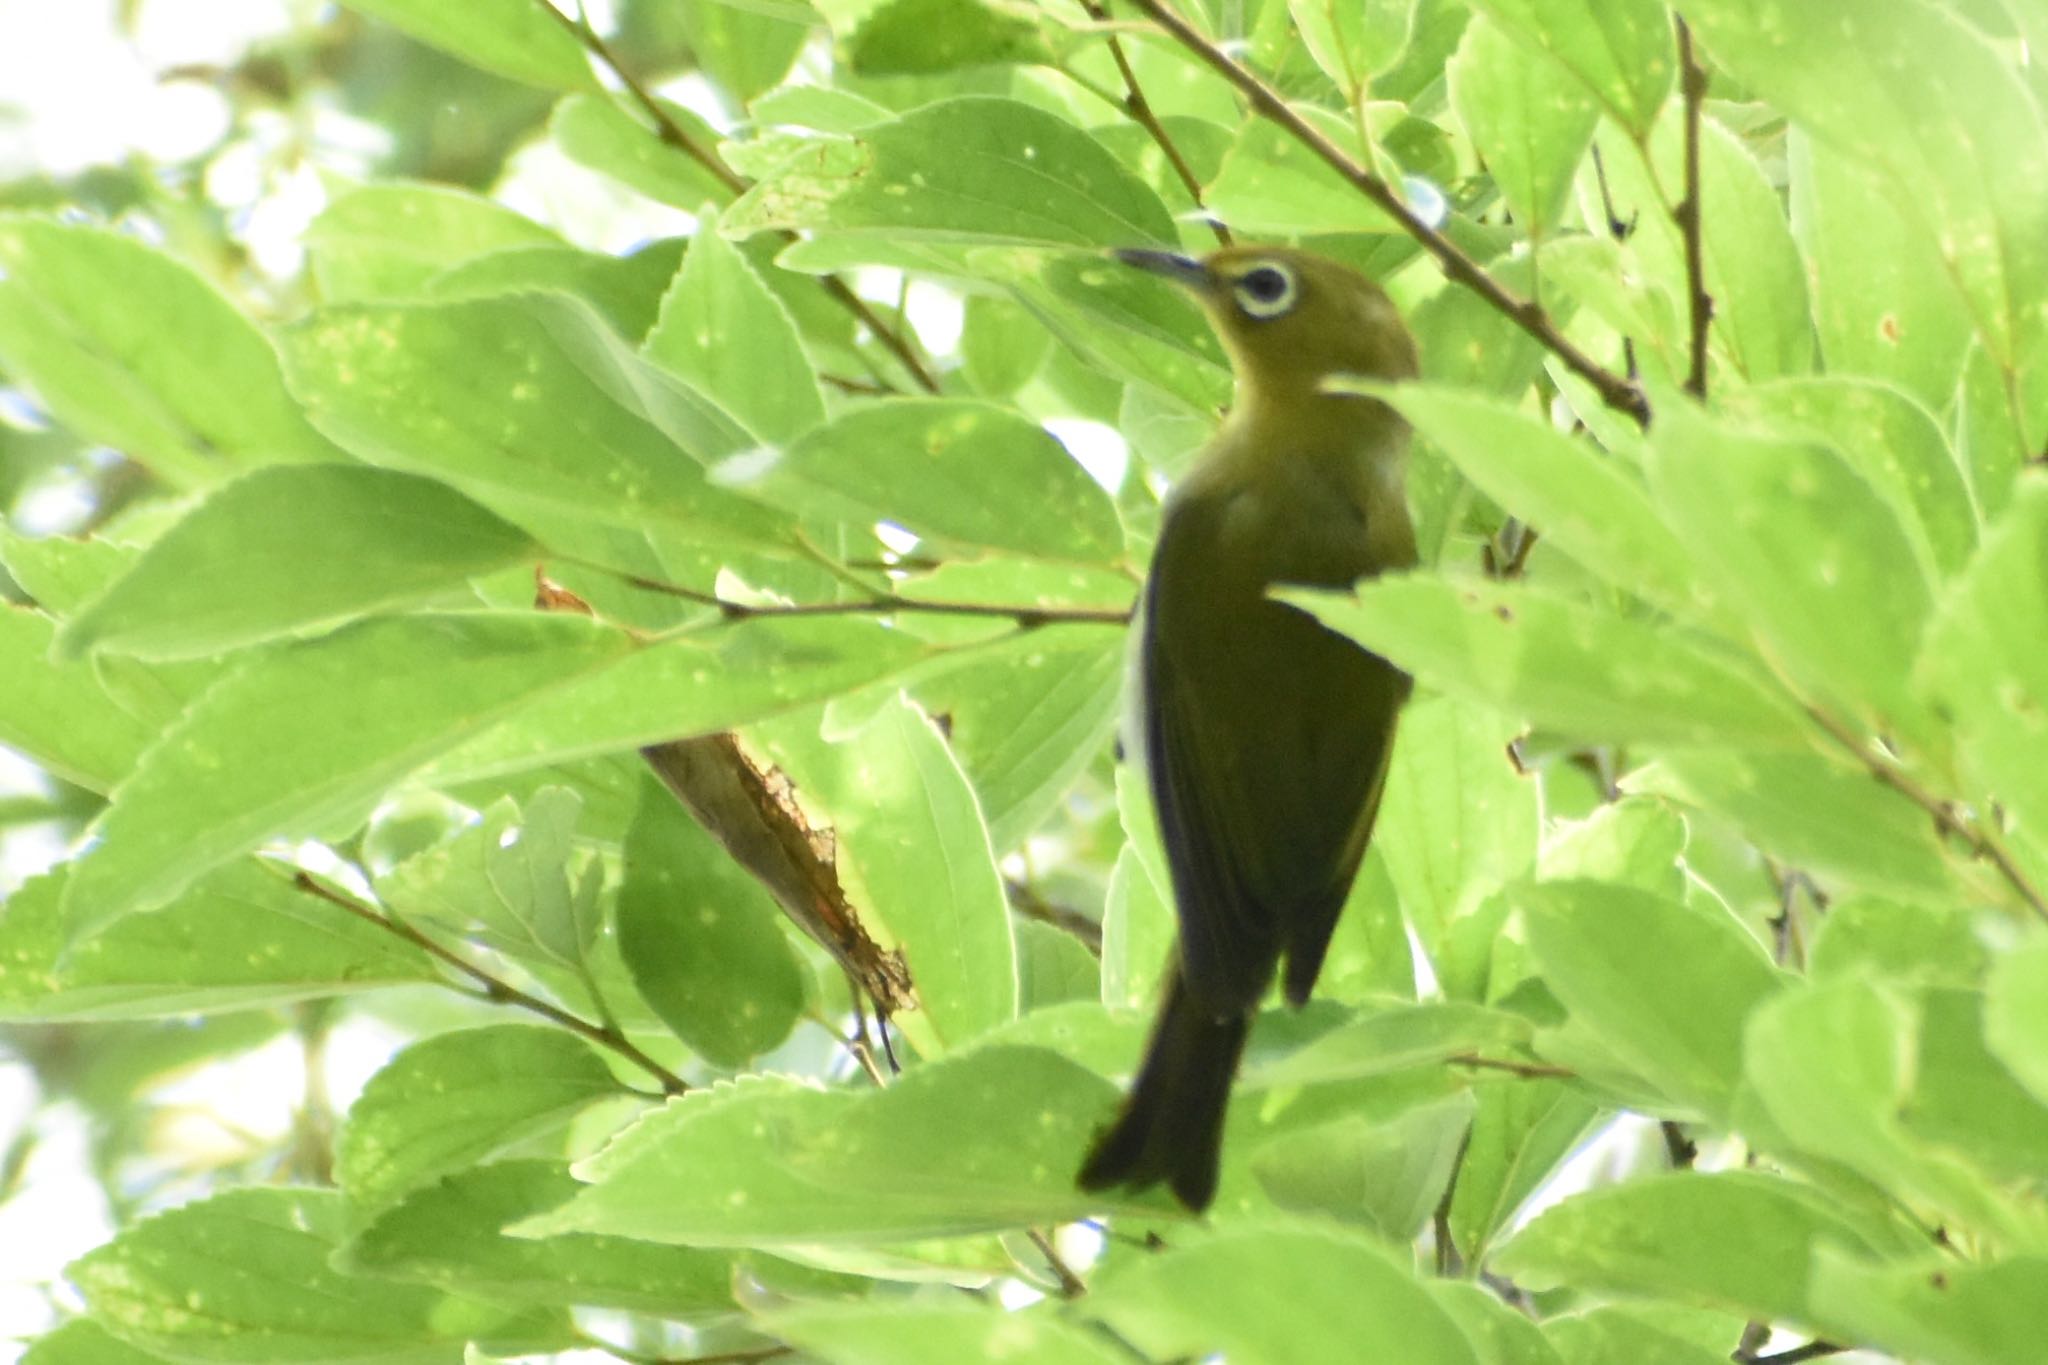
1290, 319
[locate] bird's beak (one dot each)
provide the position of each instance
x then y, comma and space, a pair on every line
1185, 271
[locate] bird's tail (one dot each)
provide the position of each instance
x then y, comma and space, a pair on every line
1171, 1128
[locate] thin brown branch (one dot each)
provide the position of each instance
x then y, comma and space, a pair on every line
1140, 110
1025, 901
1682, 1150
1616, 391
1527, 1070
1947, 818
1072, 1286
495, 989
1693, 85
675, 135
887, 604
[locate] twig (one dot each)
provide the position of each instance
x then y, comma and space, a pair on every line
1072, 1286
1614, 390
1981, 842
678, 137
1528, 1070
1693, 83
1139, 108
497, 990
1025, 901
884, 604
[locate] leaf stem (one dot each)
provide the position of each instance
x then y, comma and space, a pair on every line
885, 604
1615, 390
1527, 1070
1141, 113
1693, 84
678, 137
494, 988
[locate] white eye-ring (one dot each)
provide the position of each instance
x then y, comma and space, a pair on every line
1266, 291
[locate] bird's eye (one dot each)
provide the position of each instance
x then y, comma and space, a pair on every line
1266, 291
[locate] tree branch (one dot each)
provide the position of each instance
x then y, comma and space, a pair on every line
1526, 1070
1693, 83
1616, 391
1981, 842
1139, 108
495, 989
678, 137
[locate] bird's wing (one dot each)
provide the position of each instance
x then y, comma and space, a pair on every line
1230, 940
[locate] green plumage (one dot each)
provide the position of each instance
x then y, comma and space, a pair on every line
1265, 736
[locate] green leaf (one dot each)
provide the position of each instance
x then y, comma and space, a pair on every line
1500, 1333
1986, 659
458, 1099
1830, 1067
1637, 841
81, 1341
293, 550
910, 834
509, 37
1270, 183
969, 170
1398, 1036
1353, 42
1666, 989
701, 682
1871, 937
277, 748
530, 405
195, 955
1348, 1299
1025, 715
58, 712
1814, 557
1737, 1240
83, 315
1558, 662
702, 938
1522, 1131
988, 1139
1883, 304
746, 48
599, 132
1635, 1336
387, 241
1138, 919
1762, 327
1621, 52
925, 37
2016, 1015
1964, 1098
723, 331
625, 290
1001, 345
1382, 1174
1530, 122
1920, 97
1053, 967
1812, 813
950, 469
909, 1332
1956, 1312
244, 1276
1457, 822
1898, 448
448, 1234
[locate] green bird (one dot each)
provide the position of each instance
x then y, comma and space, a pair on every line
1266, 735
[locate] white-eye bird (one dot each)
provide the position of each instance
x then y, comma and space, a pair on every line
1265, 735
